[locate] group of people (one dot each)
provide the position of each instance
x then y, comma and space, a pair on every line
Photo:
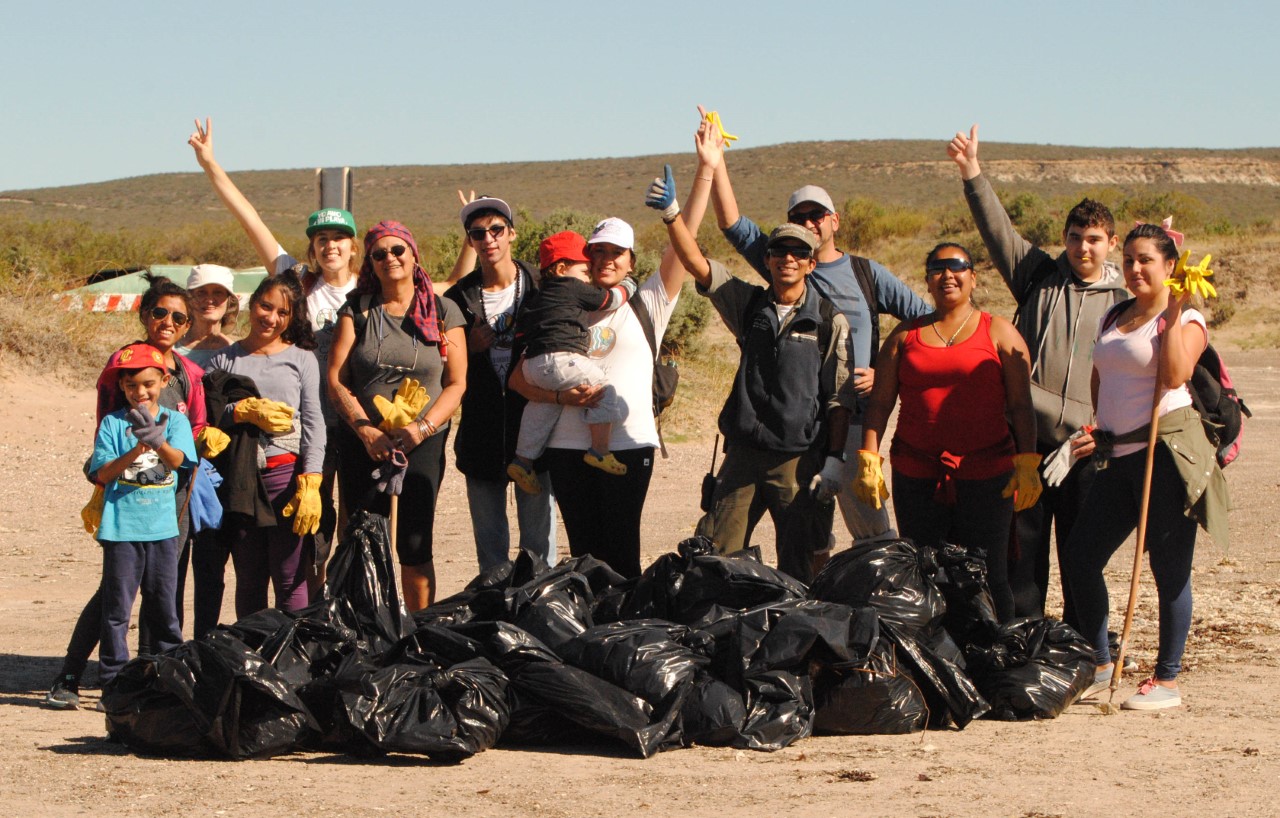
355, 363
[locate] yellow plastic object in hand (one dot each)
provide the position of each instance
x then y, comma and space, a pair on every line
1024, 486
270, 416
91, 514
713, 117
869, 485
306, 505
409, 401
211, 441
1192, 278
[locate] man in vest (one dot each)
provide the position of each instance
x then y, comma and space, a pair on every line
844, 280
791, 397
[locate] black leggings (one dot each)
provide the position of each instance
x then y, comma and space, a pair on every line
601, 512
416, 525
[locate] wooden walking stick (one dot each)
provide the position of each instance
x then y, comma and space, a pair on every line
1118, 668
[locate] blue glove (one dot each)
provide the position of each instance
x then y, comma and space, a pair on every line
145, 428
662, 195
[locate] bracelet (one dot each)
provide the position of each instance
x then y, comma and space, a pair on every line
671, 220
704, 178
360, 423
558, 398
426, 427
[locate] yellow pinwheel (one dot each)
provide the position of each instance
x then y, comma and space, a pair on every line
713, 118
1192, 278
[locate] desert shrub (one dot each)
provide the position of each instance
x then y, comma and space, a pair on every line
1188, 211
1031, 218
863, 222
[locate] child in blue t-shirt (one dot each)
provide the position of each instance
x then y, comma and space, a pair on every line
135, 456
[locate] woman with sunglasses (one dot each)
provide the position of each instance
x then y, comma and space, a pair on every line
394, 329
165, 312
964, 451
288, 433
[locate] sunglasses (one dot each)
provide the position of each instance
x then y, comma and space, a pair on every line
160, 313
381, 253
805, 216
478, 233
955, 265
797, 253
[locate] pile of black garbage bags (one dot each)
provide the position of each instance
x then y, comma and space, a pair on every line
700, 649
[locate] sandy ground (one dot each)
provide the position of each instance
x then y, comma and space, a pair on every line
1218, 754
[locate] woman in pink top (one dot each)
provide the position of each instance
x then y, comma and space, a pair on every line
959, 470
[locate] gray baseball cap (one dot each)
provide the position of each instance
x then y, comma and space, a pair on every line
487, 203
810, 193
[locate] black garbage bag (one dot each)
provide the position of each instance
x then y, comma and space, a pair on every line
891, 575
643, 658
236, 704
554, 608
557, 704
950, 694
970, 617
360, 590
695, 586
876, 697
713, 714
304, 650
779, 707
1035, 669
446, 714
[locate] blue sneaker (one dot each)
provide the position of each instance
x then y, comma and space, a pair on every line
1152, 696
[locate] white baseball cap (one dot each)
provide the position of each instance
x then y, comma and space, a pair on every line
203, 274
810, 193
613, 231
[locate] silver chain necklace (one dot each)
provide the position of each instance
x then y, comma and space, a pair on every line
952, 339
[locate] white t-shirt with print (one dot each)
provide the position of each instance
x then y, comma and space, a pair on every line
1126, 364
619, 345
324, 300
500, 313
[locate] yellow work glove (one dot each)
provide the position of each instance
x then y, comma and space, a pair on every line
306, 504
869, 485
1025, 485
410, 399
91, 514
1192, 278
211, 441
270, 416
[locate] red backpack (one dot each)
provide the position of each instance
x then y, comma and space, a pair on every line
1213, 394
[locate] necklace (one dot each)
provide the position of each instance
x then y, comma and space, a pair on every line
949, 341
506, 331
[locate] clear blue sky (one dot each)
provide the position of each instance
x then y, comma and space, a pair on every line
97, 91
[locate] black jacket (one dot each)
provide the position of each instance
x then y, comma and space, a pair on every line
485, 439
242, 492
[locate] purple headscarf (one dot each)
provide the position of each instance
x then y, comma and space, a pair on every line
423, 311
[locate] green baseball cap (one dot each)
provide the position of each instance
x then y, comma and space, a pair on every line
331, 218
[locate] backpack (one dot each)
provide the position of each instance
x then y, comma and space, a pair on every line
867, 283
666, 376
1213, 395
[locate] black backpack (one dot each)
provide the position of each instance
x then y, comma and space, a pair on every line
1213, 395
867, 283
666, 375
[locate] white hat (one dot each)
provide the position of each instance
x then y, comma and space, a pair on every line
810, 193
487, 203
613, 231
203, 274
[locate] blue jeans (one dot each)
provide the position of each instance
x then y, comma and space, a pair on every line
126, 567
979, 521
1109, 516
535, 514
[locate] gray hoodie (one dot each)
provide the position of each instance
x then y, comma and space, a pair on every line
1058, 315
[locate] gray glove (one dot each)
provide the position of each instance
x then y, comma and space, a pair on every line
1056, 466
389, 476
826, 483
145, 428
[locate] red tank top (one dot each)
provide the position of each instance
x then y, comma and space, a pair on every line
953, 404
